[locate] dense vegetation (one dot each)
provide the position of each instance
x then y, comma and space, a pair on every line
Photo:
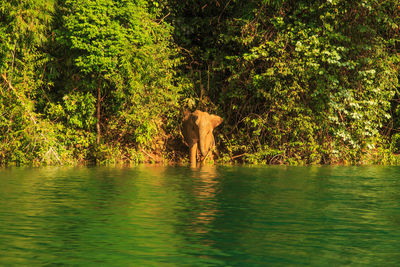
297, 82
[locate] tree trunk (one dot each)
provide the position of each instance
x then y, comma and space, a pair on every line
98, 112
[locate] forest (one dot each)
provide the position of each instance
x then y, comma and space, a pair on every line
297, 82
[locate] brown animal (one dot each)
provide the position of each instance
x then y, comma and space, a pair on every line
198, 129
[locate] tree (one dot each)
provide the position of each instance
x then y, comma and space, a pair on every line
97, 31
24, 136
123, 57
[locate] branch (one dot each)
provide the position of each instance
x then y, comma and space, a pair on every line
161, 20
147, 154
238, 156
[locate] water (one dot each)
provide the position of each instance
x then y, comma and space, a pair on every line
215, 216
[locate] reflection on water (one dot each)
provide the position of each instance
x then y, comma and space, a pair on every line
205, 190
207, 216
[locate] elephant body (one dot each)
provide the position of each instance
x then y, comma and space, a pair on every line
197, 130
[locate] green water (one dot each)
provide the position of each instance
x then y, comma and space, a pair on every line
215, 216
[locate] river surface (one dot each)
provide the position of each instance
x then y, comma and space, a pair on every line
213, 216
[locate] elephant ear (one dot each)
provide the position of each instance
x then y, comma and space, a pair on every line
215, 120
195, 117
186, 114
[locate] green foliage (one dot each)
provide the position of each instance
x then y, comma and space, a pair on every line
57, 55
297, 82
25, 137
131, 57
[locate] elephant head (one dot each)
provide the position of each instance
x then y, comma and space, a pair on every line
198, 129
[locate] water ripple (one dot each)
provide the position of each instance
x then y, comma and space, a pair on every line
211, 216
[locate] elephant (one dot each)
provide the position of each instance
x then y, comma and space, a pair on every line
197, 130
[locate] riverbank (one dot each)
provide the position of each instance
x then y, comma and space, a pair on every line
117, 156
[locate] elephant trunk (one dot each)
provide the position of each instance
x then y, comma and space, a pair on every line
203, 149
206, 142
